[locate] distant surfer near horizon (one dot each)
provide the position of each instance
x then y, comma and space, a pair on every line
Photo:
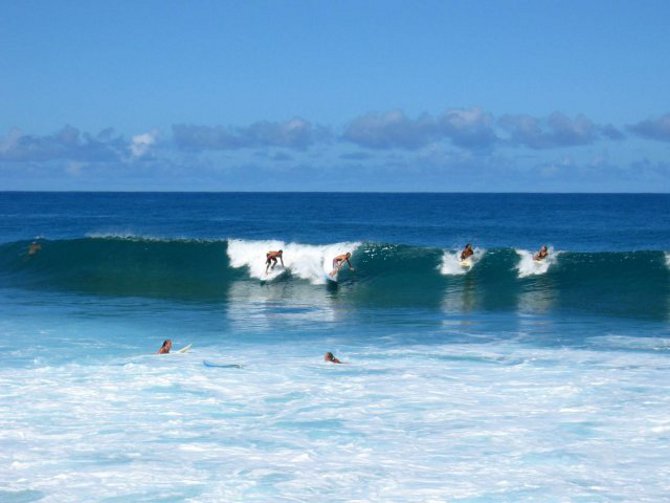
330, 357
467, 252
34, 248
271, 259
339, 261
541, 254
165, 348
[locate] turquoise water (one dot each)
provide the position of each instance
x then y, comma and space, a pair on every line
509, 381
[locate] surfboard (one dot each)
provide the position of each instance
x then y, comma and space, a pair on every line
184, 349
273, 274
331, 276
221, 365
466, 263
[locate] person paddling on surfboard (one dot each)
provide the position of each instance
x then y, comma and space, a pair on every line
467, 251
339, 261
330, 357
165, 348
34, 248
271, 259
542, 254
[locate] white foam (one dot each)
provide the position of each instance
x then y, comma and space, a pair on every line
439, 422
451, 262
308, 262
527, 266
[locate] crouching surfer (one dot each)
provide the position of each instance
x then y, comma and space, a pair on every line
467, 252
339, 261
541, 254
271, 259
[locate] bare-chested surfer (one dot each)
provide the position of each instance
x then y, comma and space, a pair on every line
467, 251
34, 248
271, 259
541, 254
340, 260
165, 348
330, 357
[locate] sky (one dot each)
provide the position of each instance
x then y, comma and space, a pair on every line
437, 96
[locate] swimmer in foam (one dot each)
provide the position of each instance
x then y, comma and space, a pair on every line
541, 254
330, 357
467, 251
271, 259
165, 348
339, 261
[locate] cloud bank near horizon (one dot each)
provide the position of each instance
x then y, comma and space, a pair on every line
381, 146
296, 134
470, 129
67, 144
653, 128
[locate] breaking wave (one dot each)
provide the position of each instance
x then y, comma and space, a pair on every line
635, 283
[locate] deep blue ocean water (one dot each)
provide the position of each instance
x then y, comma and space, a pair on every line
508, 381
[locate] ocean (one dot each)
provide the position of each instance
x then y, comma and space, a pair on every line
508, 381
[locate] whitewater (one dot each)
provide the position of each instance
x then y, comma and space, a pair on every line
513, 380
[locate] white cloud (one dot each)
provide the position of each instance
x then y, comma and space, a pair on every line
141, 143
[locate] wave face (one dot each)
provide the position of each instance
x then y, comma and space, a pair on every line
617, 283
121, 266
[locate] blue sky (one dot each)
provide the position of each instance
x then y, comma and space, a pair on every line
534, 96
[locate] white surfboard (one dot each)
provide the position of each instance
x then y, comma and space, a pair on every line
184, 349
273, 274
332, 275
466, 263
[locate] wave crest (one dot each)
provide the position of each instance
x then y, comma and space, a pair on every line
635, 283
308, 262
528, 266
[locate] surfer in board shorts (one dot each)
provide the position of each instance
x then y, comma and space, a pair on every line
271, 259
542, 254
467, 251
339, 261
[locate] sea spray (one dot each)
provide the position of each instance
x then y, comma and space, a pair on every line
453, 266
308, 262
528, 266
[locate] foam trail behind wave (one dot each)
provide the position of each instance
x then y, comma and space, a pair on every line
529, 267
451, 262
309, 262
